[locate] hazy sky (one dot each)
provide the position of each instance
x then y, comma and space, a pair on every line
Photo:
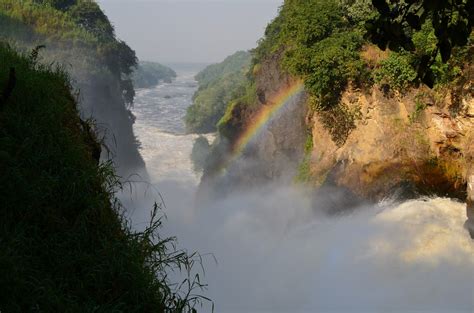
207, 31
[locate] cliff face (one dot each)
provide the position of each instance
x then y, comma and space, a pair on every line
405, 145
413, 143
280, 147
274, 153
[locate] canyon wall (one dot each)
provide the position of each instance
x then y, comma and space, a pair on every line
381, 143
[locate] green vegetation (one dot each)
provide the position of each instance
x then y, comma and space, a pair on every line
149, 74
396, 22
419, 108
396, 71
218, 85
322, 41
326, 44
319, 43
237, 62
401, 69
76, 33
64, 246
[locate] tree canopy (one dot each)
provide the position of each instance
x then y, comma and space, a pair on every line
397, 21
218, 85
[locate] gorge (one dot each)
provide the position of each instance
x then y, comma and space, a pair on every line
315, 172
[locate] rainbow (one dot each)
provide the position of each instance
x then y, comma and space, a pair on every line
268, 111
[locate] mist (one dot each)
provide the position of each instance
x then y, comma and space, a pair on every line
278, 251
281, 248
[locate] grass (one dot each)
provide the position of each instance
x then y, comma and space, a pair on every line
63, 245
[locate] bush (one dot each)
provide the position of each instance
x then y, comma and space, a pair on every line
330, 65
320, 45
396, 71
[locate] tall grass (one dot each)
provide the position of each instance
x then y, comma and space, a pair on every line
63, 244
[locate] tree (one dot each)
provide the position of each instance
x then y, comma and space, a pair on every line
90, 16
58, 4
452, 21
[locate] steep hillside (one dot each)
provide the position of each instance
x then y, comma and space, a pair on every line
79, 36
149, 74
369, 125
64, 246
218, 84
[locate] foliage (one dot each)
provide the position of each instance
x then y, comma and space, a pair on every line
58, 4
299, 25
64, 246
321, 41
320, 44
82, 30
400, 70
89, 16
452, 22
149, 74
396, 71
357, 11
329, 65
224, 125
339, 120
419, 108
218, 85
234, 63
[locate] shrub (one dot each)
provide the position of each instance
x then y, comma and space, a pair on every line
396, 71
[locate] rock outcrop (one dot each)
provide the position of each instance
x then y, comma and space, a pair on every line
376, 144
409, 144
276, 150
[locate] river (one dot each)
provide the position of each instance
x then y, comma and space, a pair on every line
276, 253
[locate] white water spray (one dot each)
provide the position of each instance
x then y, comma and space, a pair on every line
276, 253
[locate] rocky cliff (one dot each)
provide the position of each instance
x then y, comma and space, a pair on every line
275, 152
382, 143
365, 123
418, 142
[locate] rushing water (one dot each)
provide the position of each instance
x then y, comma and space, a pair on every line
277, 254
160, 129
